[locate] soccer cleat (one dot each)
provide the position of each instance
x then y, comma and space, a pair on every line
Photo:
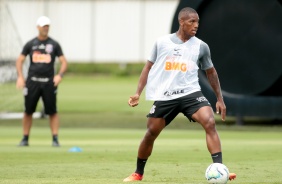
23, 143
55, 144
134, 177
232, 176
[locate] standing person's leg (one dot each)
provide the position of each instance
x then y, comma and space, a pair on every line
154, 128
26, 126
27, 123
49, 97
54, 123
31, 96
54, 126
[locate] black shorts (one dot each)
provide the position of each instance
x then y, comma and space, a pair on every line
188, 105
40, 88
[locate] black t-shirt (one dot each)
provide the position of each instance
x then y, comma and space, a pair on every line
42, 56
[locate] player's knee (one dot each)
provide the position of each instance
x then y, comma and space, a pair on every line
152, 133
209, 125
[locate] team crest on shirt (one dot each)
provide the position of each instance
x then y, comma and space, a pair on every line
49, 48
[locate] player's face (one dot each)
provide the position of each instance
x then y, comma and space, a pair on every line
191, 24
43, 31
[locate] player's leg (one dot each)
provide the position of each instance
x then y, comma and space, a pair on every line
31, 96
161, 114
49, 97
197, 108
154, 128
205, 117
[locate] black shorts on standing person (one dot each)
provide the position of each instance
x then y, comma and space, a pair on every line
46, 90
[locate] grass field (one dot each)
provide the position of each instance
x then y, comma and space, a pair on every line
95, 117
108, 155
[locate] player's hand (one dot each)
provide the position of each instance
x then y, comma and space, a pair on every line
221, 109
20, 83
133, 100
57, 79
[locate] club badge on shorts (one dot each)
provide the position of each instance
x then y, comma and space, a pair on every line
152, 110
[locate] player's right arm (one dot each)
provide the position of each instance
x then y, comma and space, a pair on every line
19, 66
134, 100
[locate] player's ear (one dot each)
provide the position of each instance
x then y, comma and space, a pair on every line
181, 22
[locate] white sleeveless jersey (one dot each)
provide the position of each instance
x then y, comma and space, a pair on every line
175, 70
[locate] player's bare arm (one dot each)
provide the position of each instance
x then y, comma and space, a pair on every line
57, 78
134, 100
19, 66
214, 82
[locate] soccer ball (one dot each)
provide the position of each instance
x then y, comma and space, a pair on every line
217, 173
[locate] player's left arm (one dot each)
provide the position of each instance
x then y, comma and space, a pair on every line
63, 68
206, 64
215, 84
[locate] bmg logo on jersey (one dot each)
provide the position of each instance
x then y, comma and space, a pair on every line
175, 66
173, 63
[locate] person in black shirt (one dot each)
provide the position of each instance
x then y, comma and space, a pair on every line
41, 80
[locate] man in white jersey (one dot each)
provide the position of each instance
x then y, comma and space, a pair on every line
171, 75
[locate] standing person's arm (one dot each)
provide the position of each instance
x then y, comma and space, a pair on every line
19, 66
63, 68
215, 84
134, 100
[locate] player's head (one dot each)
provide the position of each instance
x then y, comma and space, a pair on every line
43, 24
188, 20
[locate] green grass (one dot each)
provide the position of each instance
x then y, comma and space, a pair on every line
108, 156
98, 94
95, 116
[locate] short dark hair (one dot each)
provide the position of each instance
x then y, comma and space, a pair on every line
184, 12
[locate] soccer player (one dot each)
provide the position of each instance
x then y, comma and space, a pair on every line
171, 76
41, 80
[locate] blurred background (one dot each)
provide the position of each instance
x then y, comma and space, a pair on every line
107, 42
